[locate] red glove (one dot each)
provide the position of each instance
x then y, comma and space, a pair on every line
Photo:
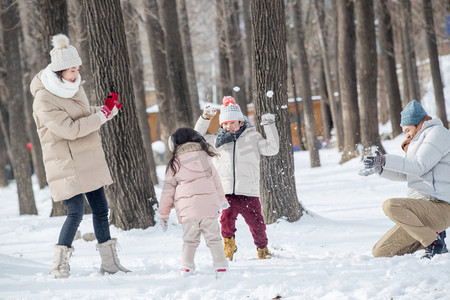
108, 106
115, 98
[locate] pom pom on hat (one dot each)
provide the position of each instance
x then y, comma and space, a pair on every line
230, 111
63, 55
412, 114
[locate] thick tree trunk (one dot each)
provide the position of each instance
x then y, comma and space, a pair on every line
386, 39
21, 163
132, 195
175, 62
434, 61
278, 189
248, 49
336, 110
307, 106
188, 58
33, 64
164, 97
365, 36
347, 78
131, 20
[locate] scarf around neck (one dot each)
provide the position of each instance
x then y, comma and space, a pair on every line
224, 136
63, 89
406, 142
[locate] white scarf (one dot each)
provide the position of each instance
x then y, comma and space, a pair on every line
63, 89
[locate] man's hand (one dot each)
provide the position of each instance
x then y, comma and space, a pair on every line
374, 162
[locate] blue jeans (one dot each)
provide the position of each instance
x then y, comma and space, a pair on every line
75, 210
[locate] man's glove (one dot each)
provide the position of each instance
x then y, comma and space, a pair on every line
224, 205
267, 119
373, 164
163, 223
209, 112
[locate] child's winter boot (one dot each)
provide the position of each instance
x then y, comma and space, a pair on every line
61, 259
264, 253
434, 248
220, 272
229, 247
110, 261
186, 271
443, 235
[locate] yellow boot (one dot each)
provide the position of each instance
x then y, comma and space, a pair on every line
264, 253
229, 247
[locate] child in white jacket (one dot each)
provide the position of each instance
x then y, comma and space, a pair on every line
193, 187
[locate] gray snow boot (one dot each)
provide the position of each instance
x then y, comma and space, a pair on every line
110, 261
61, 259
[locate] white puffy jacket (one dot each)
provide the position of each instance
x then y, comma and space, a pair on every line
426, 166
238, 161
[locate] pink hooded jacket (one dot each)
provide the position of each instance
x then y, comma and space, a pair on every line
195, 190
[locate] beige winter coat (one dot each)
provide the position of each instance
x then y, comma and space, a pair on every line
195, 190
238, 162
68, 129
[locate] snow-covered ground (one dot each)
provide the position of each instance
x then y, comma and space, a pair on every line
325, 255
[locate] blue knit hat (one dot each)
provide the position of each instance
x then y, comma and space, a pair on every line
412, 114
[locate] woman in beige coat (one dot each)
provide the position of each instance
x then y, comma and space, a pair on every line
74, 161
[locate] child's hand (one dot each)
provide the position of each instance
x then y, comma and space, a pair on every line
209, 112
267, 119
224, 205
163, 223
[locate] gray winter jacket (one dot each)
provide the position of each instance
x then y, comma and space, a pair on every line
426, 166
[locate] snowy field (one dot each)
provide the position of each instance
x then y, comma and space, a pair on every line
325, 255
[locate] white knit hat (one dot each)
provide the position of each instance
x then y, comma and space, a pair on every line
63, 55
230, 111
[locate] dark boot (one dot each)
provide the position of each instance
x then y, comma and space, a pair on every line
443, 235
434, 248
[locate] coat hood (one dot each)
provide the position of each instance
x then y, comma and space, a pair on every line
36, 84
190, 157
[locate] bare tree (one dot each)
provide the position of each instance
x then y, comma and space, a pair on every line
278, 193
365, 36
160, 71
3, 156
307, 105
297, 111
335, 106
224, 83
131, 21
386, 39
347, 78
434, 61
188, 58
175, 62
324, 104
20, 158
248, 49
132, 195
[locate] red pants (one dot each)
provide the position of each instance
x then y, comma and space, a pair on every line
250, 209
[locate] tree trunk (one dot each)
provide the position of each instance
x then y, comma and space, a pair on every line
3, 155
188, 58
33, 64
17, 131
224, 84
434, 61
175, 63
324, 105
132, 195
365, 32
160, 72
386, 39
335, 106
307, 106
347, 78
248, 49
131, 20
235, 53
54, 20
278, 192
297, 111
410, 54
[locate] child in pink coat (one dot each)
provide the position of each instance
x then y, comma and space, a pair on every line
193, 187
